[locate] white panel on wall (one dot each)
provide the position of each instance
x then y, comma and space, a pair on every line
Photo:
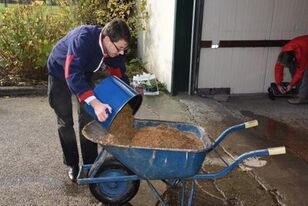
290, 19
270, 64
155, 45
215, 23
236, 68
237, 19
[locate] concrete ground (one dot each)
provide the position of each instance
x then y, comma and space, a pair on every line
280, 124
32, 173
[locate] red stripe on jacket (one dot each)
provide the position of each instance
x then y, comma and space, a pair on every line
85, 95
116, 71
68, 61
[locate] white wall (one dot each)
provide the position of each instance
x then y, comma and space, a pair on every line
247, 70
155, 45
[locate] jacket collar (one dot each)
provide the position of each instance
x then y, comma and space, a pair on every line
101, 44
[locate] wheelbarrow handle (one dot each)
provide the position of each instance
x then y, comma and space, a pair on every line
228, 131
240, 159
252, 123
276, 150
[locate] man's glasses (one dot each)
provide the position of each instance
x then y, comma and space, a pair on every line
126, 50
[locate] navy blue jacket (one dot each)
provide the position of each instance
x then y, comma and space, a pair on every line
77, 55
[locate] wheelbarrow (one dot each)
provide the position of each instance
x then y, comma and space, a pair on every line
115, 176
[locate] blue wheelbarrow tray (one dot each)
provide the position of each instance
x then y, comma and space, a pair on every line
154, 163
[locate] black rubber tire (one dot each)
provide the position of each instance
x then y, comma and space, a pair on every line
131, 189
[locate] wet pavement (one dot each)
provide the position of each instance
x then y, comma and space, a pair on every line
32, 173
280, 124
285, 176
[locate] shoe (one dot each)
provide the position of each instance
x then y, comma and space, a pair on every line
298, 101
73, 173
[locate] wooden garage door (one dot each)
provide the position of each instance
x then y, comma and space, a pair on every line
246, 69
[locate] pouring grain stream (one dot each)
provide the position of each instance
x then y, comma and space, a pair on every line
123, 133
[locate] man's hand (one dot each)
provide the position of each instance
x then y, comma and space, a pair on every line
101, 110
281, 89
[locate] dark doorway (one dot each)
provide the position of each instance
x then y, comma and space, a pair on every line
182, 46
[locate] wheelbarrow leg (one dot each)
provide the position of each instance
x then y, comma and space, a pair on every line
173, 183
98, 163
192, 191
183, 192
191, 195
163, 202
157, 195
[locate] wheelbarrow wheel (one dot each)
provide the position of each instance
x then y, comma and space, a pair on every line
114, 193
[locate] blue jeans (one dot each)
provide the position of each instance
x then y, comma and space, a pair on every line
303, 90
302, 85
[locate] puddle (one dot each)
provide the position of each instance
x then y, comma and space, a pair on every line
280, 134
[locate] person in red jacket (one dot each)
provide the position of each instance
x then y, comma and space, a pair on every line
294, 56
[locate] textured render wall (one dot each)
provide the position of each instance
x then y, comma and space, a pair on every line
155, 45
247, 70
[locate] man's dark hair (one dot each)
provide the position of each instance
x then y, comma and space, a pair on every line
116, 30
287, 59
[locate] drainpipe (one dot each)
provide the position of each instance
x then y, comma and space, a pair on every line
173, 45
196, 31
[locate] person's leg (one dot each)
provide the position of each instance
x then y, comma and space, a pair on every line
60, 101
303, 90
88, 148
292, 71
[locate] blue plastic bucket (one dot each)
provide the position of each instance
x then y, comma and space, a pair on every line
117, 94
